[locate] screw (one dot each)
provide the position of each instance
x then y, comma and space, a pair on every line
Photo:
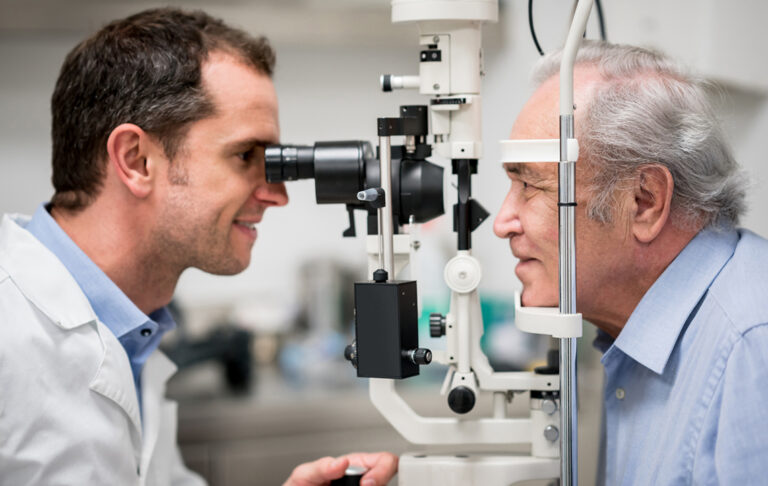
548, 406
436, 39
551, 433
436, 86
462, 275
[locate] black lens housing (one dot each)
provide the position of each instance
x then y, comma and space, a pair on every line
344, 168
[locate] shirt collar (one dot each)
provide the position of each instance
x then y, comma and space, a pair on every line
652, 330
110, 304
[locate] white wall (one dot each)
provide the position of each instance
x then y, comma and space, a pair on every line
328, 89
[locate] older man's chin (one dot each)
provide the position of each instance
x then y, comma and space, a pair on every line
533, 297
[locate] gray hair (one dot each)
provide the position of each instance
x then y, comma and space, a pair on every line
650, 111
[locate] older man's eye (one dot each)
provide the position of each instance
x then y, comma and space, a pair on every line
246, 156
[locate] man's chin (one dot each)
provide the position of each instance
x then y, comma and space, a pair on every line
230, 266
531, 298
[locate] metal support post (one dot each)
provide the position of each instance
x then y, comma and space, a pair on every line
387, 229
566, 206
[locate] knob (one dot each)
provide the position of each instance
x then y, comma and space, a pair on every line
351, 477
419, 356
461, 399
350, 353
436, 325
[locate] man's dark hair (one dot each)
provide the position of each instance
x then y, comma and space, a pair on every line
145, 70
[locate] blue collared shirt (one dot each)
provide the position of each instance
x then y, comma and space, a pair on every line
686, 381
138, 333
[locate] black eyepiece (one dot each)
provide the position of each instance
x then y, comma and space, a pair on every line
289, 162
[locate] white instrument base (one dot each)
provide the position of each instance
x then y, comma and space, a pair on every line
473, 469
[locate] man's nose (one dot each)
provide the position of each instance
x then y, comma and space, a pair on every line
507, 222
271, 194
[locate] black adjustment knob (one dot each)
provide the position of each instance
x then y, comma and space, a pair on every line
422, 356
350, 353
380, 276
419, 356
461, 399
386, 83
436, 325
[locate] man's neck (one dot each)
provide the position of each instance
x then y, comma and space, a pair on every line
118, 247
611, 310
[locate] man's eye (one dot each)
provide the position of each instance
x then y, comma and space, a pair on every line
252, 155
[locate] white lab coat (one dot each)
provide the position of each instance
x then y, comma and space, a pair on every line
68, 407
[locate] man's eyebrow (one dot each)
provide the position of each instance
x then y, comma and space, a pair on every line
518, 168
243, 144
523, 170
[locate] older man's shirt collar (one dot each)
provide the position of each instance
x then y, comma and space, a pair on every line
676, 295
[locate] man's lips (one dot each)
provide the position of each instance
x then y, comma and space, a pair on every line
524, 262
521, 254
247, 226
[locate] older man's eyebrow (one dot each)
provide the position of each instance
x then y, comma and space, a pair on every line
519, 169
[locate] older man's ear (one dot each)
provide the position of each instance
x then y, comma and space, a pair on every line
652, 191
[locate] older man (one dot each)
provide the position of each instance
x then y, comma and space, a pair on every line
679, 294
159, 126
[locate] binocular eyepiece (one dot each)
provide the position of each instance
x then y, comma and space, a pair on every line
344, 168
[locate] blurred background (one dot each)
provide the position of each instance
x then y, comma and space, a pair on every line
263, 385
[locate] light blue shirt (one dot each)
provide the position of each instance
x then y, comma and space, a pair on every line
138, 333
686, 381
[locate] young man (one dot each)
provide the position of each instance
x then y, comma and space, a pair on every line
677, 292
160, 121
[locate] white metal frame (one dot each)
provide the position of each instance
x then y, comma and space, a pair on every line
455, 26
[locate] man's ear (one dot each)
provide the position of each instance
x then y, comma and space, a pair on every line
129, 148
653, 189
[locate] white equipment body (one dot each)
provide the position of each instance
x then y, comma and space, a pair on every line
453, 81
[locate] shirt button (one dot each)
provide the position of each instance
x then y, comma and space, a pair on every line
620, 393
146, 332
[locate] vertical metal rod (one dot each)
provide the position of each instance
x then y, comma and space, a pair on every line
567, 233
386, 229
379, 213
568, 422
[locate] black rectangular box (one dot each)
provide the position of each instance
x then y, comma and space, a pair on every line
386, 324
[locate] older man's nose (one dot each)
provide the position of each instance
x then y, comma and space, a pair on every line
507, 222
